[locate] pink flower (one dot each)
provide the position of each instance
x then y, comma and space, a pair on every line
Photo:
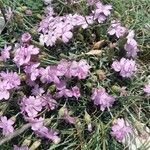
100, 97
63, 68
64, 30
5, 53
32, 70
36, 91
23, 54
126, 67
65, 114
79, 69
49, 74
36, 124
20, 148
48, 101
64, 92
6, 125
4, 93
48, 133
26, 37
120, 129
31, 106
102, 11
116, 29
76, 92
147, 89
131, 45
11, 79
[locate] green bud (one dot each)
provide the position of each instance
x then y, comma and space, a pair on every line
13, 118
35, 145
52, 88
61, 111
87, 117
115, 88
27, 141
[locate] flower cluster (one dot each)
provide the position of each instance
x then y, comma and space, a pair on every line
120, 129
7, 84
116, 29
50, 85
101, 97
125, 67
6, 125
37, 125
55, 28
63, 91
23, 54
119, 31
64, 68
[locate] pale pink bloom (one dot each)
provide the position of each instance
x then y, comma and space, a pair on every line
79, 69
48, 133
101, 98
117, 29
37, 90
101, 12
63, 68
120, 129
147, 89
30, 83
125, 67
64, 92
48, 101
76, 92
6, 125
4, 93
31, 106
131, 45
36, 124
66, 116
24, 53
26, 37
49, 39
5, 53
32, 70
11, 79
49, 74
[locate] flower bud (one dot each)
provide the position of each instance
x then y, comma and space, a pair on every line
101, 74
1, 113
35, 145
27, 141
87, 117
61, 112
115, 88
23, 77
13, 118
48, 121
52, 88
